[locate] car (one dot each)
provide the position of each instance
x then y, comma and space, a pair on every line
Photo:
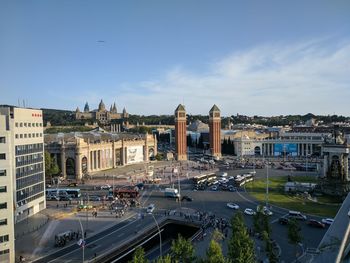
296, 215
150, 208
232, 205
72, 185
231, 178
94, 198
105, 187
283, 221
315, 223
327, 221
186, 198
231, 188
214, 188
249, 211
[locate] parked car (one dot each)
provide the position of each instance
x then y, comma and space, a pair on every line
94, 198
105, 187
283, 221
316, 223
214, 188
72, 185
232, 205
150, 208
327, 221
231, 188
249, 211
297, 215
186, 198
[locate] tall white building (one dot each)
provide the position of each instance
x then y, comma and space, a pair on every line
22, 178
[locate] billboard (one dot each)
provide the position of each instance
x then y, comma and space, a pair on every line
134, 154
288, 149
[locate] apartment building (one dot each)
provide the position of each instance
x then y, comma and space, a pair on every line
22, 179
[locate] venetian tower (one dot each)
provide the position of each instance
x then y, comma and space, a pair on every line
180, 133
215, 131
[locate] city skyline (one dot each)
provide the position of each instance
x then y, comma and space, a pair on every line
248, 58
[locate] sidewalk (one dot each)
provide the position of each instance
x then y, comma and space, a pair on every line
31, 224
38, 243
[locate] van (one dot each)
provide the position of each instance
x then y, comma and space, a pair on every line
150, 208
296, 215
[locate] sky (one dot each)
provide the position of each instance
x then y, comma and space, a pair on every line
249, 57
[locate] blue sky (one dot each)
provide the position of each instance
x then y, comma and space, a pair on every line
248, 57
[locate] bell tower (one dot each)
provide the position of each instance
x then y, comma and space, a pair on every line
215, 131
180, 133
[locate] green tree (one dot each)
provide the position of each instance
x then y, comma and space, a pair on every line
182, 250
139, 256
240, 246
164, 259
294, 234
214, 253
51, 167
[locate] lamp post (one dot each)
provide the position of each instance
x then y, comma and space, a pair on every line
267, 186
83, 238
160, 236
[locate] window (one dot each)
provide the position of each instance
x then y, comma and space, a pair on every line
3, 205
3, 252
16, 136
33, 135
16, 124
21, 136
25, 124
2, 140
29, 135
4, 238
2, 156
3, 222
37, 135
41, 135
3, 189
29, 124
21, 124
25, 135
37, 124
2, 172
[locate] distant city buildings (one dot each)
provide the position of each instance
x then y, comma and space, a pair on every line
22, 183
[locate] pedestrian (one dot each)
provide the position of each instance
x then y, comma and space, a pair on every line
95, 255
85, 234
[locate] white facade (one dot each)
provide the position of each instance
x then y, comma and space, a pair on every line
7, 239
24, 164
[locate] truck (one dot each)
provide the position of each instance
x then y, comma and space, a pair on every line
171, 192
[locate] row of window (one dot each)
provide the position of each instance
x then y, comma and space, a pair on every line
4, 238
28, 124
3, 222
29, 148
29, 159
29, 135
28, 170
3, 252
3, 205
30, 191
23, 202
29, 180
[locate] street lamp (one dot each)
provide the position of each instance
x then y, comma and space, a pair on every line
83, 238
160, 235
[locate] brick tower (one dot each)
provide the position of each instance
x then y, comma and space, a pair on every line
180, 133
215, 131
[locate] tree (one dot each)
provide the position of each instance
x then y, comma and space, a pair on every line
139, 256
182, 250
214, 253
294, 234
51, 167
165, 259
240, 246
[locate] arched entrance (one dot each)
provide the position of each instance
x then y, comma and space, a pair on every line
84, 165
257, 150
151, 154
70, 168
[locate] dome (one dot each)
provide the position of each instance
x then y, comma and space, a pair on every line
101, 106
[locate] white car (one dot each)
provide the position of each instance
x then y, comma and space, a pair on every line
231, 178
249, 211
267, 212
327, 221
150, 208
232, 205
106, 187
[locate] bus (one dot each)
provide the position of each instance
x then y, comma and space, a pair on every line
248, 177
204, 179
239, 181
126, 193
73, 192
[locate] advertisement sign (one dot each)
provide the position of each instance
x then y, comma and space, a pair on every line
134, 154
288, 149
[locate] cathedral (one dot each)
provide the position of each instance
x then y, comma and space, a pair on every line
102, 115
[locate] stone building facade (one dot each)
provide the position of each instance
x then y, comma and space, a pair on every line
102, 115
79, 154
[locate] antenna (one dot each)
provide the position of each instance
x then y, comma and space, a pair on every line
24, 104
18, 103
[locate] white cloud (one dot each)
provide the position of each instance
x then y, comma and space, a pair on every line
310, 76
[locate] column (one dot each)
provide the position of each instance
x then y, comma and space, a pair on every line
63, 162
346, 167
78, 172
95, 160
99, 159
113, 155
325, 165
302, 149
